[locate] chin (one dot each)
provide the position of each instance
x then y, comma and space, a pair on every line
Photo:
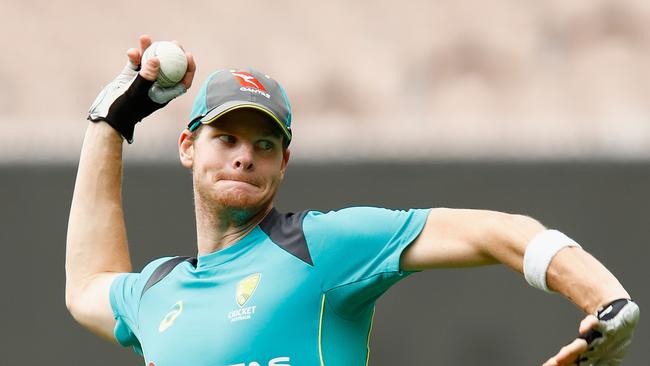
237, 200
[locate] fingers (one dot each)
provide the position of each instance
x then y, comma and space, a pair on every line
150, 69
191, 69
191, 66
145, 42
588, 323
568, 355
135, 54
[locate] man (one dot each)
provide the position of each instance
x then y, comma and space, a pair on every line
284, 289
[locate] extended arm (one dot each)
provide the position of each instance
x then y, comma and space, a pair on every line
458, 238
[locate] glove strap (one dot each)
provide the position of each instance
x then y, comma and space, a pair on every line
130, 108
607, 312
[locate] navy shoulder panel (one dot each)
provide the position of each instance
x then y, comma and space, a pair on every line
285, 230
164, 269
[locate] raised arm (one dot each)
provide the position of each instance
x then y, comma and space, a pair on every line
96, 247
458, 238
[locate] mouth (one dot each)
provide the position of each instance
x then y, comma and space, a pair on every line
238, 181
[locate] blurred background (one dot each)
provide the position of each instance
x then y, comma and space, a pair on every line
540, 108
368, 80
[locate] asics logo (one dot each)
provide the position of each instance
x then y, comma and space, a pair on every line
171, 316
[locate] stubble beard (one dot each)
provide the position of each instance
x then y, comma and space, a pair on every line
235, 207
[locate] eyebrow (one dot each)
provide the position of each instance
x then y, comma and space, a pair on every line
274, 134
269, 132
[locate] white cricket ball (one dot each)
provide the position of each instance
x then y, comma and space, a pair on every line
173, 62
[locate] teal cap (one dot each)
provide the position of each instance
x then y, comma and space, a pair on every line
228, 90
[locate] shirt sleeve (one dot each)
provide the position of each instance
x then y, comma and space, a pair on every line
124, 296
357, 252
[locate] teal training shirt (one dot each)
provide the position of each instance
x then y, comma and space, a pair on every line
299, 289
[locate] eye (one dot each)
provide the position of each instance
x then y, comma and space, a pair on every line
265, 145
229, 139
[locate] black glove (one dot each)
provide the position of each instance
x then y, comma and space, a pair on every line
609, 341
130, 98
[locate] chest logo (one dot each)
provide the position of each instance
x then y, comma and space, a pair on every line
246, 288
171, 316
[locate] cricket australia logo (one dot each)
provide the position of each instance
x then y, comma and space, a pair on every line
245, 289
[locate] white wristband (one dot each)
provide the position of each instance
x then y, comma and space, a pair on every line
539, 253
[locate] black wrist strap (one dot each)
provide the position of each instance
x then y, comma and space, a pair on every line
131, 107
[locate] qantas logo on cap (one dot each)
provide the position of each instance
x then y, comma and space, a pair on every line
249, 83
246, 79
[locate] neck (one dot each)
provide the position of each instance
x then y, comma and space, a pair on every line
218, 227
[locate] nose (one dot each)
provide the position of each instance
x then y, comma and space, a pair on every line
244, 158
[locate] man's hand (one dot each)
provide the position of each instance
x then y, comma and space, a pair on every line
609, 334
569, 354
133, 96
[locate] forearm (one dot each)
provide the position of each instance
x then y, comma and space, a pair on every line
572, 272
96, 239
580, 277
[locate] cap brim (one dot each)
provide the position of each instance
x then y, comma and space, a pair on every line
230, 106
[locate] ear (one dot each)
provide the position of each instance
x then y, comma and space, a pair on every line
285, 162
186, 149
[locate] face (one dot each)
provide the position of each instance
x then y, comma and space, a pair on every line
237, 161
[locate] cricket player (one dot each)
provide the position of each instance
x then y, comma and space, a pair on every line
269, 288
